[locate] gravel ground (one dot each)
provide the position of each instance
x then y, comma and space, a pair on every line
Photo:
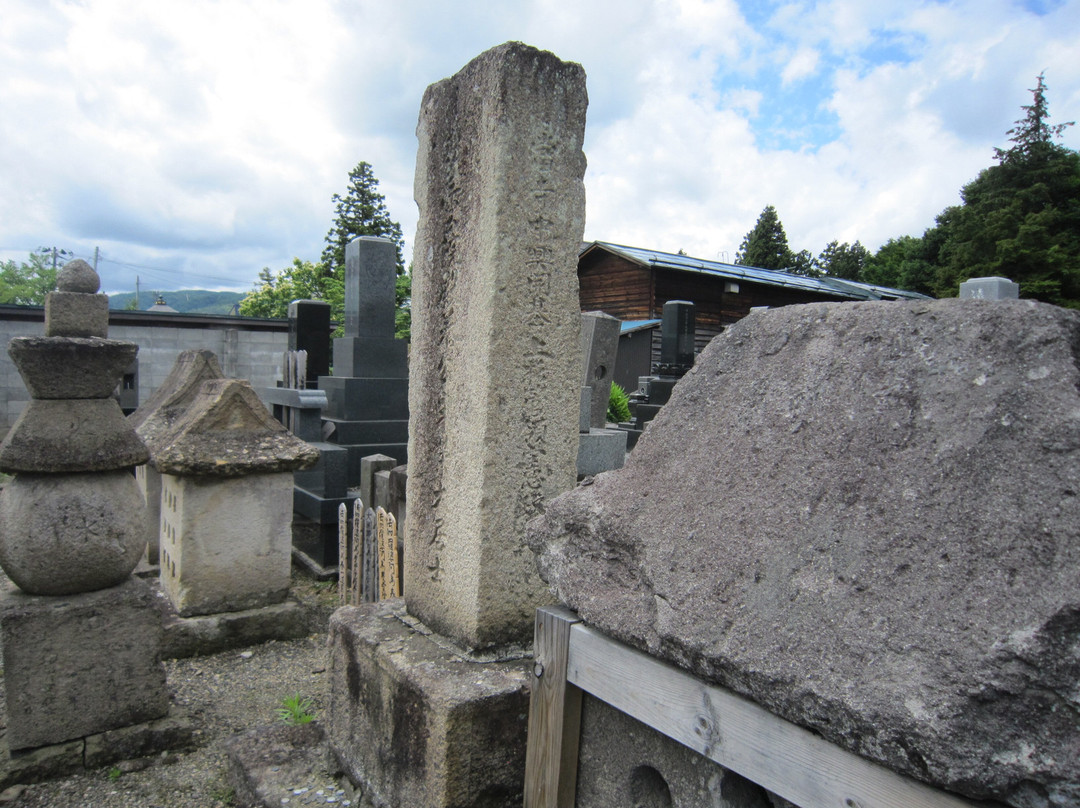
225, 694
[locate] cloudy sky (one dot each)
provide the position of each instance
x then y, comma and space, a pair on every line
196, 141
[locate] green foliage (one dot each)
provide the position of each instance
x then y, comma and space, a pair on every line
361, 212
296, 710
618, 408
403, 298
226, 795
114, 774
842, 260
26, 283
766, 245
1019, 219
302, 280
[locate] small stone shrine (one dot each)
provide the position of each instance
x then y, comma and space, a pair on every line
676, 358
599, 449
73, 524
226, 502
439, 720
156, 418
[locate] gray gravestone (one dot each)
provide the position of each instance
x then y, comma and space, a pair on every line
599, 346
990, 289
496, 329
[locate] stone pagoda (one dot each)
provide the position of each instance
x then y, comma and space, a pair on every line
73, 524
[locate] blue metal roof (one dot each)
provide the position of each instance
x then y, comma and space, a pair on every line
634, 325
838, 287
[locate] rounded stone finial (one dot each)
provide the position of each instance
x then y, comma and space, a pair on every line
78, 276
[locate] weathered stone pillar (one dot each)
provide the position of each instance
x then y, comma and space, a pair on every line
494, 399
72, 523
226, 502
496, 329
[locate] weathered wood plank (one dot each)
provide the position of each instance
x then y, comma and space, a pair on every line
738, 734
554, 715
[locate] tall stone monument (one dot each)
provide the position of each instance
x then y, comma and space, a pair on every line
494, 399
73, 524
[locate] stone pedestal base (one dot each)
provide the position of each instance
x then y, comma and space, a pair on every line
415, 723
79, 665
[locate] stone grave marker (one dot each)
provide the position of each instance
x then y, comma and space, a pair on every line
80, 637
156, 418
366, 399
599, 449
227, 502
494, 399
496, 331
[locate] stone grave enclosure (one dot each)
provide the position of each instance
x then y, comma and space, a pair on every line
875, 534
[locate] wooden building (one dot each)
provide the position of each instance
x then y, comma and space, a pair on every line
633, 284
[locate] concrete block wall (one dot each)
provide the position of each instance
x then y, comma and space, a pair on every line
248, 348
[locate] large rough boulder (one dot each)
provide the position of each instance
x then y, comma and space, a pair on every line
866, 518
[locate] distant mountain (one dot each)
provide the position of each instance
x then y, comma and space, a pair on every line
186, 301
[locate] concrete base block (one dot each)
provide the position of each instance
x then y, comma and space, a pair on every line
213, 633
624, 762
315, 545
414, 722
80, 664
600, 450
172, 733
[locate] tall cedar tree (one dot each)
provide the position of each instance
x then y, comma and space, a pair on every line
361, 212
1020, 219
766, 245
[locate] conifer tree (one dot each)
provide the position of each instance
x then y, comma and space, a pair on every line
361, 212
766, 245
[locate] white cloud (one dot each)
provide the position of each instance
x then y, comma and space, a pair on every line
803, 63
207, 137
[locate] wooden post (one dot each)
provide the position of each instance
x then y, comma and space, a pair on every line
551, 757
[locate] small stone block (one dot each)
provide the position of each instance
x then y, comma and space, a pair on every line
415, 724
371, 357
74, 314
267, 763
174, 733
381, 497
369, 466
40, 763
601, 450
81, 664
989, 289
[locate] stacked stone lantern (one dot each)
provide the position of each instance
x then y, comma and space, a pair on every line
73, 524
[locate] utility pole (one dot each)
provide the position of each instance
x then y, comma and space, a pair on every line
137, 294
56, 253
